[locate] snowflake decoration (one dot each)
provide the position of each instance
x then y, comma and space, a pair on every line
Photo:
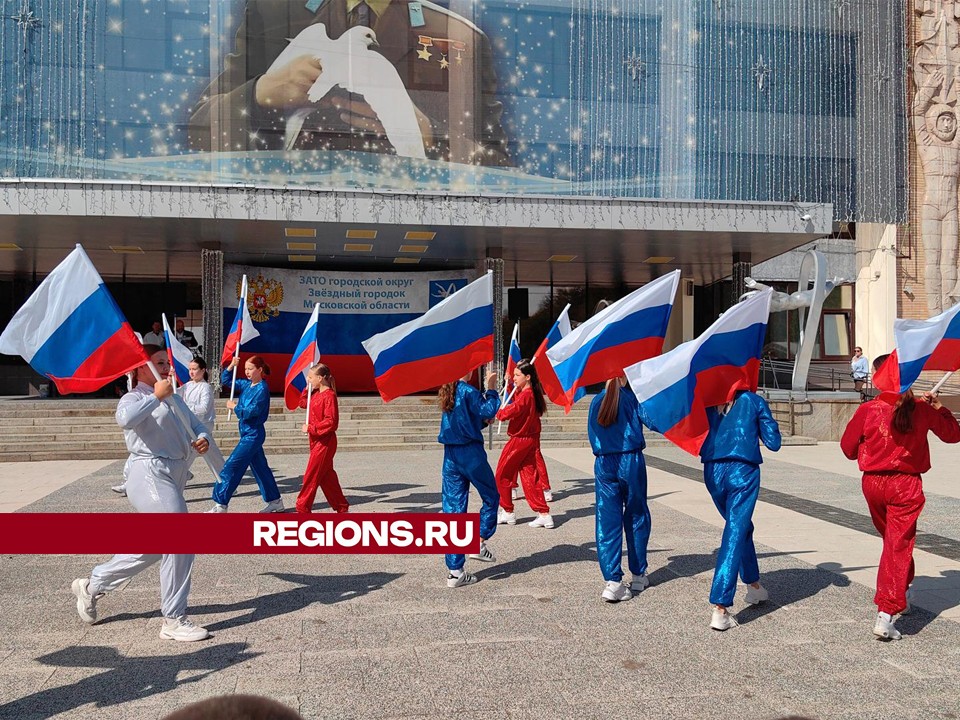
760, 73
25, 19
636, 67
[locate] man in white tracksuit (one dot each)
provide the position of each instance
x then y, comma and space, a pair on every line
158, 467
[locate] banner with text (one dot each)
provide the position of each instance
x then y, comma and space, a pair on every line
353, 307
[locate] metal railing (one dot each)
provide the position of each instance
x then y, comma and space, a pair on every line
778, 374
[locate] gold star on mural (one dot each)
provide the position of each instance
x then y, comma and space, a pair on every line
424, 54
443, 62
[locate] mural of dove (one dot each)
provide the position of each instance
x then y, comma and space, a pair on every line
349, 63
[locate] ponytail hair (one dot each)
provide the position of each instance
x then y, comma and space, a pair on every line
259, 363
610, 405
527, 368
903, 413
447, 396
323, 372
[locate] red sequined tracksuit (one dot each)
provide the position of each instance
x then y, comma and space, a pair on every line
520, 454
892, 463
322, 429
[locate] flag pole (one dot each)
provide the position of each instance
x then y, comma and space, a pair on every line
236, 352
309, 395
506, 402
936, 388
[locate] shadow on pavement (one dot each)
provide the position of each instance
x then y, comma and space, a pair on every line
124, 679
793, 585
326, 589
946, 587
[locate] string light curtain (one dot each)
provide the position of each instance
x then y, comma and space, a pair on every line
740, 100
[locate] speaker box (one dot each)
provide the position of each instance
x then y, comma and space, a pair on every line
518, 304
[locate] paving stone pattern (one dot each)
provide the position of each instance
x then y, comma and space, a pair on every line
382, 637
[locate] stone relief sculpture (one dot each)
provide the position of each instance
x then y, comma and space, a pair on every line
938, 146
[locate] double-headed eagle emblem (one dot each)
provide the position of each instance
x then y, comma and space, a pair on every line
263, 298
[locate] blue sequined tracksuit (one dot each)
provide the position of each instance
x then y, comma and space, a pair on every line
465, 461
253, 408
731, 470
621, 487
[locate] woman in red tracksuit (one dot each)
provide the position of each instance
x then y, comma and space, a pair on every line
889, 441
322, 429
520, 453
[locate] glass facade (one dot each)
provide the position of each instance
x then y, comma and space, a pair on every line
742, 100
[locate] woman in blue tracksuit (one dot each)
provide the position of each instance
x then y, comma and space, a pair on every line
731, 470
465, 413
252, 410
616, 437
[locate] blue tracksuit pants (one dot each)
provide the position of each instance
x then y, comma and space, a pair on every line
248, 453
621, 487
734, 487
463, 465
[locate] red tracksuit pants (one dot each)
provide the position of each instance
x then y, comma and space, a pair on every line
320, 474
895, 501
543, 480
520, 456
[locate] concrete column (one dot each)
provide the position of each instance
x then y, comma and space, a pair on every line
686, 298
211, 292
876, 289
742, 267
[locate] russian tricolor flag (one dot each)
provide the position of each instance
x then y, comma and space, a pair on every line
631, 329
242, 330
932, 344
548, 378
72, 331
442, 345
304, 357
178, 354
675, 389
513, 358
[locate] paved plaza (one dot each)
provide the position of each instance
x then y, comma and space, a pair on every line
383, 637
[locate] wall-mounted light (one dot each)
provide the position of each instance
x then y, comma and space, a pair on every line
908, 291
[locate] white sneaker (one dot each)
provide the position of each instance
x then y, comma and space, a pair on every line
755, 596
217, 508
484, 555
909, 608
275, 506
884, 628
86, 603
542, 521
548, 495
506, 518
120, 489
515, 493
722, 620
183, 630
616, 592
640, 583
464, 578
